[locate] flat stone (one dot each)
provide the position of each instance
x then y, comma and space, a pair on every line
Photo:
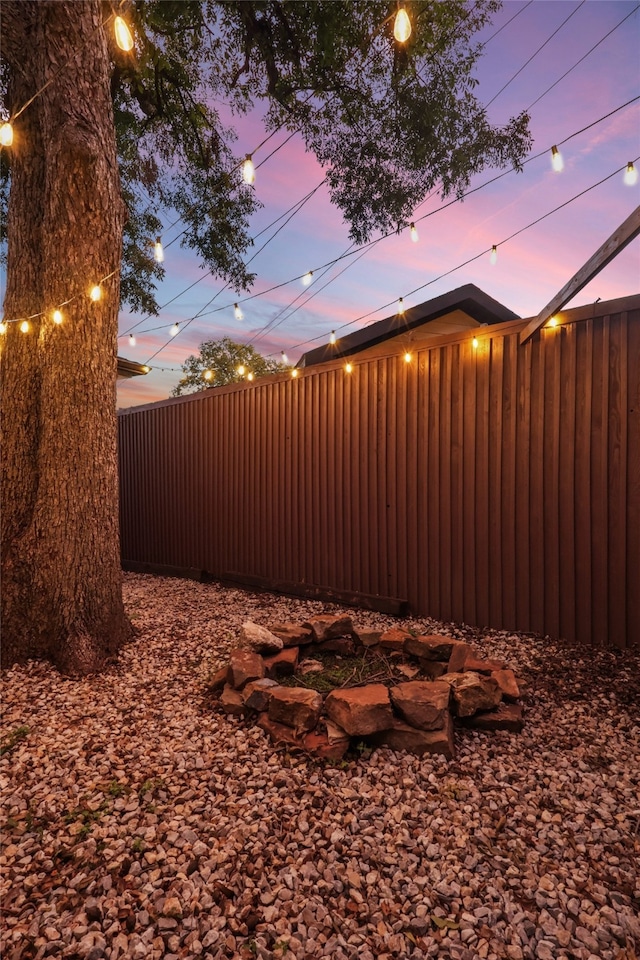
282, 664
256, 694
459, 653
431, 647
328, 628
318, 743
308, 665
394, 639
433, 668
472, 692
477, 664
296, 707
402, 736
219, 679
244, 666
367, 638
407, 670
422, 704
334, 732
506, 680
278, 732
360, 710
232, 702
343, 646
259, 639
292, 634
506, 716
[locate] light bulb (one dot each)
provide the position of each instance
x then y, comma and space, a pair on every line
175, 329
493, 256
348, 368
402, 26
208, 374
474, 343
132, 340
158, 252
553, 322
24, 326
401, 306
284, 357
630, 174
413, 232
3, 327
308, 277
249, 376
407, 358
239, 315
294, 373
96, 293
556, 159
123, 34
6, 135
332, 338
146, 369
248, 170
57, 316
241, 370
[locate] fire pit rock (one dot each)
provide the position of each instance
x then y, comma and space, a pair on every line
426, 683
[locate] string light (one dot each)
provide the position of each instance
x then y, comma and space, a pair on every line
132, 340
146, 369
493, 256
248, 170
208, 374
308, 277
348, 368
402, 26
401, 307
123, 34
175, 330
241, 370
239, 315
6, 135
24, 326
158, 252
96, 293
249, 376
3, 327
332, 338
556, 159
474, 343
294, 373
630, 175
57, 316
413, 232
284, 357
407, 358
553, 322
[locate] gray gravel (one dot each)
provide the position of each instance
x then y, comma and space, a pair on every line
138, 821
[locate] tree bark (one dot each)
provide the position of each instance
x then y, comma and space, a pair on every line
61, 576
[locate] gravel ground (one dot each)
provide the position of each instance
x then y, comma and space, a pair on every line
140, 822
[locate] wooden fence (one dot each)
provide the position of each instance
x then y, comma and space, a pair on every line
498, 486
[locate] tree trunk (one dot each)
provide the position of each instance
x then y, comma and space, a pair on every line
61, 576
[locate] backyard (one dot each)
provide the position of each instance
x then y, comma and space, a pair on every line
140, 821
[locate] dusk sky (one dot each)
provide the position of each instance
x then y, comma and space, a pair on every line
530, 269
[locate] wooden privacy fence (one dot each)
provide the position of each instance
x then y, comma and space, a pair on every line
499, 486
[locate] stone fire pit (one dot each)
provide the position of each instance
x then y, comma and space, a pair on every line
417, 687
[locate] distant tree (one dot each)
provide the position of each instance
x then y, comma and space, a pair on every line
219, 362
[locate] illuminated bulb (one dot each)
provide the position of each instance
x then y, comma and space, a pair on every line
249, 376
556, 159
308, 277
96, 293
132, 340
332, 338
553, 322
57, 316
6, 135
3, 327
208, 374
248, 170
402, 26
239, 315
146, 369
348, 368
294, 373
401, 306
407, 358
175, 329
284, 357
241, 370
413, 232
24, 326
123, 34
474, 343
158, 252
630, 174
493, 256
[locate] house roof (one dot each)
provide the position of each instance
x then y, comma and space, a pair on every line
128, 369
469, 299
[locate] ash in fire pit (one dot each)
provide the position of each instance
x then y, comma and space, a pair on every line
325, 685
